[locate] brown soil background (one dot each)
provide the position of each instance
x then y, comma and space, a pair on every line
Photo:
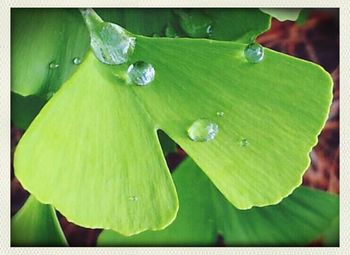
316, 40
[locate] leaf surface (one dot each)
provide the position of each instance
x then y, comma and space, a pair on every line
36, 224
204, 212
96, 146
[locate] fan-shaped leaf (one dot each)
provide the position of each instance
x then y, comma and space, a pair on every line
278, 107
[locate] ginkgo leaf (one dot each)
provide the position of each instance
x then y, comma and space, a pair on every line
278, 107
204, 212
36, 224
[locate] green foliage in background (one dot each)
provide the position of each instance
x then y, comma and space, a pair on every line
36, 224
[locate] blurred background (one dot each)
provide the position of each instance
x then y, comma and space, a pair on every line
314, 37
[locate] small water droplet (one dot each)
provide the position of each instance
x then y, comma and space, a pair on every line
110, 43
202, 130
49, 94
54, 65
133, 198
170, 32
195, 22
76, 61
254, 53
141, 73
220, 114
244, 142
209, 30
155, 35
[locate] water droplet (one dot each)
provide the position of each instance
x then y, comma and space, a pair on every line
53, 65
203, 130
76, 61
49, 94
220, 114
170, 32
141, 73
155, 35
244, 142
209, 30
110, 43
195, 22
133, 198
254, 53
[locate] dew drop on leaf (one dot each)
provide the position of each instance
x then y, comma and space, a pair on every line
53, 65
76, 61
209, 30
254, 53
141, 73
202, 130
244, 142
170, 32
110, 43
195, 23
133, 198
49, 94
220, 114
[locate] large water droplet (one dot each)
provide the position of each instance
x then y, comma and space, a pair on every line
254, 53
110, 43
133, 198
54, 65
141, 73
76, 61
203, 130
195, 23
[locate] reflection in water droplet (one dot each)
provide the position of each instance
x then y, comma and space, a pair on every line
133, 198
110, 43
254, 53
195, 22
76, 61
244, 142
141, 73
202, 130
220, 114
53, 65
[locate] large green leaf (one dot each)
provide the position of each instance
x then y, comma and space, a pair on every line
42, 36
38, 38
95, 141
36, 224
204, 212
